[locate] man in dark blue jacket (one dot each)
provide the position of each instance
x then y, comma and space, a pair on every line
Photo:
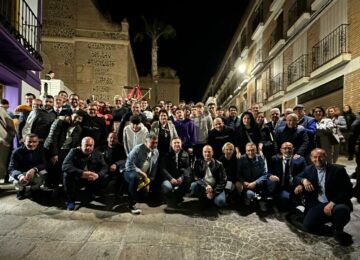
83, 166
327, 191
284, 168
27, 166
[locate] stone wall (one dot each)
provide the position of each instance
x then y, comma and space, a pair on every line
89, 53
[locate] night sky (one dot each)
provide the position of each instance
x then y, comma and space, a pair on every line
203, 33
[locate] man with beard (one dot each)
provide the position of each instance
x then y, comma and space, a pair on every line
64, 134
27, 166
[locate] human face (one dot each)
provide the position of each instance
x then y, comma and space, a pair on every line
112, 139
251, 151
135, 127
64, 96
176, 145
318, 114
208, 153
49, 103
232, 112
218, 124
151, 143
212, 109
255, 109
246, 120
59, 101
260, 119
36, 104
291, 121
92, 111
74, 101
346, 108
318, 158
29, 99
300, 112
135, 108
87, 145
31, 143
331, 112
163, 118
275, 116
229, 151
76, 119
179, 115
81, 104
200, 110
287, 150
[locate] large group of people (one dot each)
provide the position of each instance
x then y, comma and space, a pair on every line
217, 155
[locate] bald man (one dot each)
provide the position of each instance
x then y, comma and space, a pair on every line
83, 166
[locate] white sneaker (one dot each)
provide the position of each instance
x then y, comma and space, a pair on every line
134, 210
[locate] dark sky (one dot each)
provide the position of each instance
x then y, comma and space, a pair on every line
203, 34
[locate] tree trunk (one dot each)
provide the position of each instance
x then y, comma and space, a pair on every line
154, 68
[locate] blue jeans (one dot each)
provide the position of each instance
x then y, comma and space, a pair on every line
199, 191
132, 178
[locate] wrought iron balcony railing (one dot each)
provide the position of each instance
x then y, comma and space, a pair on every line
298, 69
330, 47
276, 84
23, 24
296, 10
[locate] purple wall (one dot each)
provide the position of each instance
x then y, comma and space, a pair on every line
12, 94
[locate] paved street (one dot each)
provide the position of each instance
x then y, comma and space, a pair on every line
44, 230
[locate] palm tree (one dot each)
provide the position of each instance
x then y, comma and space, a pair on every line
155, 30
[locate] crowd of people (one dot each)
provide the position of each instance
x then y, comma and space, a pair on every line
218, 155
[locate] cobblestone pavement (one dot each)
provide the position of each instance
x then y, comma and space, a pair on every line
44, 230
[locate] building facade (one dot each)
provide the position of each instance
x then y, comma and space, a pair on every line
289, 52
88, 52
20, 59
168, 86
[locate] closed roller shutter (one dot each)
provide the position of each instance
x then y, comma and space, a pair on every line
333, 99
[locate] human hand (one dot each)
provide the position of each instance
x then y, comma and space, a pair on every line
208, 189
179, 180
296, 156
112, 167
29, 175
298, 189
23, 180
251, 185
54, 159
210, 195
274, 178
328, 208
308, 185
173, 181
143, 175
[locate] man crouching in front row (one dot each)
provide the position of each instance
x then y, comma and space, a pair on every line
27, 167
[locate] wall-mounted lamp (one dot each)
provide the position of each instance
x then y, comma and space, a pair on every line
242, 68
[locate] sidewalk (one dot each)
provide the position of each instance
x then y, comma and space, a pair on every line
44, 230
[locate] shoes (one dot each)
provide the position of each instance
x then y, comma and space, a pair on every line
247, 202
350, 158
343, 238
134, 210
353, 175
262, 205
70, 205
21, 195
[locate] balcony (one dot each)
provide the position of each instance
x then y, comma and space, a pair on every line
276, 87
298, 73
277, 40
317, 4
20, 33
258, 62
331, 52
298, 16
258, 23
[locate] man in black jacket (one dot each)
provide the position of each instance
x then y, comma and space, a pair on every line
210, 178
327, 191
83, 166
27, 166
175, 168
